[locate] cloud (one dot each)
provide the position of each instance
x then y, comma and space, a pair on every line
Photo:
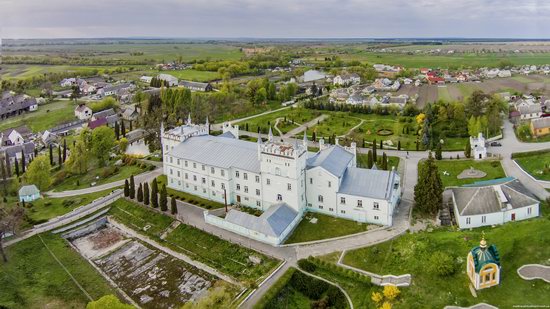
268, 18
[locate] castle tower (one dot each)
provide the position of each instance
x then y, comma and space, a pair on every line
283, 174
483, 265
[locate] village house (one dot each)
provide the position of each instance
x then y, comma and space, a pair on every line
476, 206
13, 105
385, 84
146, 79
540, 127
196, 86
115, 90
346, 79
283, 180
83, 112
130, 113
103, 114
17, 151
531, 111
168, 79
15, 136
29, 193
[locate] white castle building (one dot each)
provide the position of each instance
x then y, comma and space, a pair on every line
283, 180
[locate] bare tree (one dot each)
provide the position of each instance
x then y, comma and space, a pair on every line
9, 223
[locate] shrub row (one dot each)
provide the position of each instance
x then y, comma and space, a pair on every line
528, 154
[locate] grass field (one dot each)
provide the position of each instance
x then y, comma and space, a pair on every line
95, 175
299, 115
227, 257
455, 167
33, 279
519, 243
24, 71
443, 94
189, 198
46, 117
536, 164
326, 227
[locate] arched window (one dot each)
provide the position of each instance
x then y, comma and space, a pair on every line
279, 197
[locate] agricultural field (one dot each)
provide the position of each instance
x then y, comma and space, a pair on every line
46, 117
36, 279
24, 71
413, 254
450, 169
537, 164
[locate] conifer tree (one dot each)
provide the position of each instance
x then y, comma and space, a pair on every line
64, 150
370, 161
468, 149
132, 187
428, 192
126, 188
16, 167
140, 193
163, 198
173, 206
59, 157
374, 155
146, 199
384, 161
23, 163
51, 155
398, 145
381, 144
123, 128
438, 152
154, 194
117, 131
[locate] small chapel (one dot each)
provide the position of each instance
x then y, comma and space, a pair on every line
483, 265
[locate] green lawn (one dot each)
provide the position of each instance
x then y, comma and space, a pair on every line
97, 175
298, 115
326, 227
466, 89
519, 243
455, 167
362, 160
189, 198
220, 254
33, 279
46, 117
522, 79
536, 164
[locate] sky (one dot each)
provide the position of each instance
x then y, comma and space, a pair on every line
275, 18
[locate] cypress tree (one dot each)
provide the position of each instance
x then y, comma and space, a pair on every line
173, 206
140, 193
146, 193
381, 145
64, 150
16, 167
163, 198
123, 129
363, 143
468, 149
126, 188
314, 136
438, 152
428, 192
384, 162
132, 187
59, 157
374, 154
117, 131
370, 161
154, 194
51, 155
398, 145
23, 163
131, 129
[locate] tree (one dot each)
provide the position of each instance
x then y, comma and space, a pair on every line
117, 131
468, 149
123, 128
140, 193
442, 264
8, 166
16, 167
391, 292
38, 173
173, 206
9, 223
377, 297
438, 152
261, 96
4, 177
126, 188
51, 155
146, 193
370, 161
132, 187
64, 150
384, 161
103, 141
23, 162
154, 194
428, 192
108, 302
78, 160
123, 145
381, 145
398, 145
163, 198
59, 157
374, 155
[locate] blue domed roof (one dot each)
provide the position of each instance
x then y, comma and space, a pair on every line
485, 255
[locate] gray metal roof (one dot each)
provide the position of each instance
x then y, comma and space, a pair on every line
541, 123
272, 222
484, 200
530, 109
371, 183
334, 159
104, 113
220, 152
28, 190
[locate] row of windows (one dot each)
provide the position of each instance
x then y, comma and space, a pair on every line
203, 167
329, 183
245, 176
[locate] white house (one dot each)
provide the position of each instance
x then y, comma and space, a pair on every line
83, 112
283, 180
15, 136
493, 204
478, 149
29, 193
504, 73
530, 111
168, 79
346, 79
146, 79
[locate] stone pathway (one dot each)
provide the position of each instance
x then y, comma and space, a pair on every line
478, 306
305, 126
534, 271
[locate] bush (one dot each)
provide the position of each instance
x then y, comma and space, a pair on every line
307, 266
107, 171
495, 163
442, 264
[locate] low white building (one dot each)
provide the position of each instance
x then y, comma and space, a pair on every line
168, 79
346, 79
283, 180
146, 79
478, 149
493, 204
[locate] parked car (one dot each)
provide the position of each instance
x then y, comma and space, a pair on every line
496, 144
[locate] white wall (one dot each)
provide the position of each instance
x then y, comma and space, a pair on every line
496, 218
